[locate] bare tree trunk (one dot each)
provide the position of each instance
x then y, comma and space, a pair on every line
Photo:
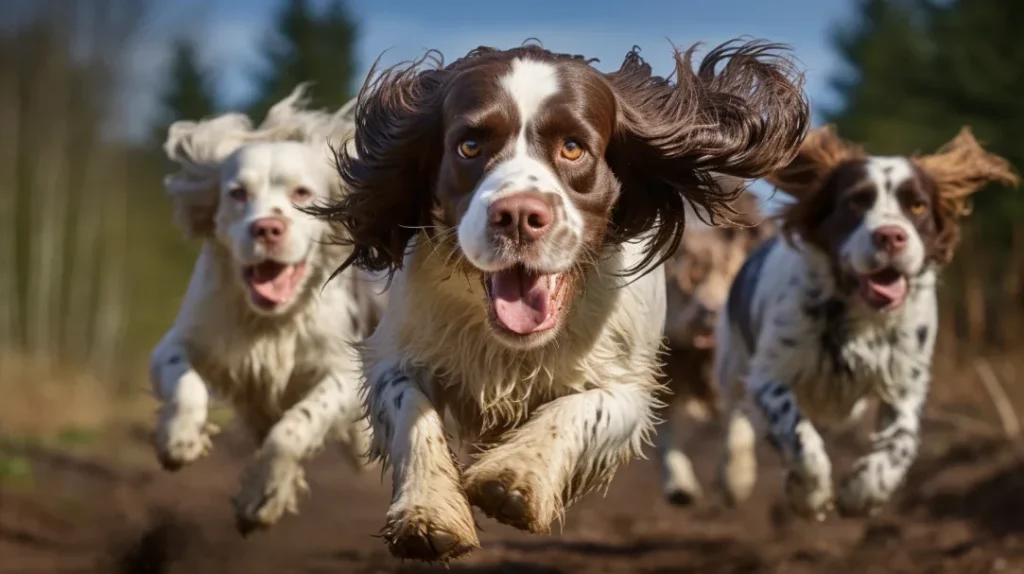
110, 310
1011, 308
974, 296
83, 281
10, 106
49, 221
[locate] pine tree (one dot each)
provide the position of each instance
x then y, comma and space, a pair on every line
189, 93
921, 69
308, 46
885, 54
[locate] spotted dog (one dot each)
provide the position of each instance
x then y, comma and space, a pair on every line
841, 309
698, 277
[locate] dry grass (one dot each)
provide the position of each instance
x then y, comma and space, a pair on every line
45, 402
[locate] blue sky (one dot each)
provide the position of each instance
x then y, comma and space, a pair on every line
230, 32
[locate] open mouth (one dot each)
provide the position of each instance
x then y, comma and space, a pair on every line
272, 284
525, 302
704, 338
884, 290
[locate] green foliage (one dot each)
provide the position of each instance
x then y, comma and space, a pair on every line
918, 70
308, 46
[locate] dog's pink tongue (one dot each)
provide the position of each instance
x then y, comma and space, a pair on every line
273, 282
521, 299
884, 290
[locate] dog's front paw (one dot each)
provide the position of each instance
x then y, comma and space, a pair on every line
810, 496
437, 533
859, 496
521, 498
270, 488
182, 438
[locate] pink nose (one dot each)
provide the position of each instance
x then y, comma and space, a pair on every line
891, 239
267, 230
521, 216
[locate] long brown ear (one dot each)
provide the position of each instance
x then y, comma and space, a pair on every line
820, 153
745, 120
391, 168
961, 167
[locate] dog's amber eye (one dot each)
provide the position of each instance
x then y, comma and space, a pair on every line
572, 150
917, 208
469, 149
238, 193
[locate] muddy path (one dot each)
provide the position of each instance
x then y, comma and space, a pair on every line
962, 511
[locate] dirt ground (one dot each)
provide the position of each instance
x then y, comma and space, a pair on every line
961, 511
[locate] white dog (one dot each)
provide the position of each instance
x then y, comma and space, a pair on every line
257, 324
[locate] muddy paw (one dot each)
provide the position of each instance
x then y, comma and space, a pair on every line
424, 534
270, 489
810, 498
519, 499
857, 498
181, 440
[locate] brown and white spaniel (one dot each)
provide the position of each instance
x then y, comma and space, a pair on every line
841, 311
697, 278
524, 201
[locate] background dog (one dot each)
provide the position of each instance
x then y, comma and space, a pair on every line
841, 309
257, 325
697, 278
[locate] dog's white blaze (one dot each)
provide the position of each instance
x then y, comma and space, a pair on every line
887, 174
530, 84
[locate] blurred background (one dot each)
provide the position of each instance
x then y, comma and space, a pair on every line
92, 269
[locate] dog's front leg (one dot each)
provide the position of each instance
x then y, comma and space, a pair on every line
809, 482
679, 482
182, 433
429, 518
272, 485
568, 447
876, 475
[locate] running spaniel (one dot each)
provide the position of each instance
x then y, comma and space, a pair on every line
257, 326
843, 309
698, 277
524, 202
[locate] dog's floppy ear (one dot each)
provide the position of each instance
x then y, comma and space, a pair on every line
959, 169
746, 120
198, 148
390, 169
822, 150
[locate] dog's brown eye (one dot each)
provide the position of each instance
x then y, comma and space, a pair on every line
469, 149
572, 150
238, 193
301, 193
917, 208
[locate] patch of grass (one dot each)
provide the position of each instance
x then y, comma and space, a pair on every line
76, 436
16, 471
